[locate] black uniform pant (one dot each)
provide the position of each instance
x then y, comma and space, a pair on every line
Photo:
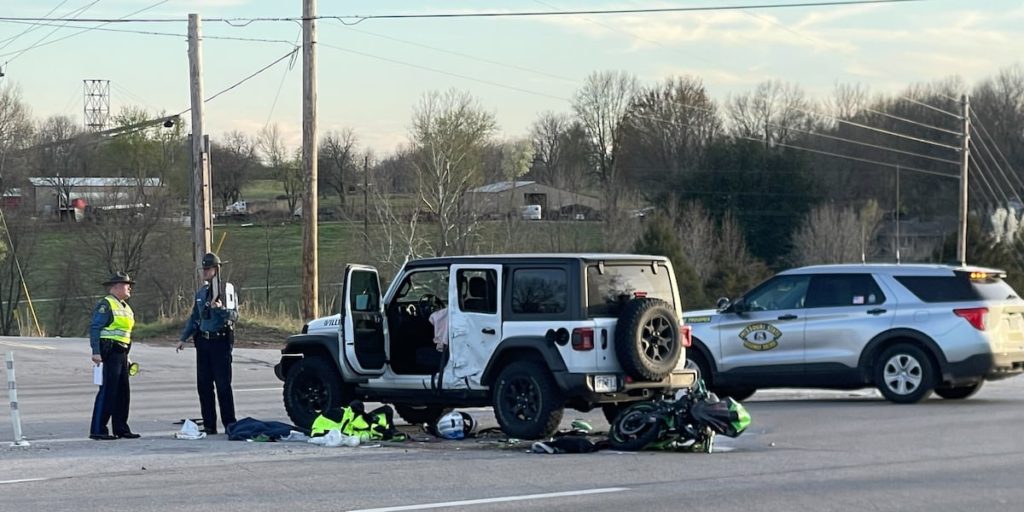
114, 395
213, 368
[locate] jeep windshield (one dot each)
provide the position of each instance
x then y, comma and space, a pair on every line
609, 290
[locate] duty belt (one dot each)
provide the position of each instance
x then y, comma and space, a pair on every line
114, 342
211, 335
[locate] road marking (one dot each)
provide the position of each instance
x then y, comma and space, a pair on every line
503, 499
23, 480
26, 345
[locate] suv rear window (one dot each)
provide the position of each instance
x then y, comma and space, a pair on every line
608, 292
957, 288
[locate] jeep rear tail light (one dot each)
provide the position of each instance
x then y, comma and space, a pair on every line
583, 338
974, 316
686, 335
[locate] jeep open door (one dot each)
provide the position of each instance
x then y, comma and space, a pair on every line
363, 329
474, 323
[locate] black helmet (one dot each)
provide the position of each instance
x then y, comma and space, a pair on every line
117, 278
211, 260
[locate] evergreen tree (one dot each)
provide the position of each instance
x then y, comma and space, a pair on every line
659, 239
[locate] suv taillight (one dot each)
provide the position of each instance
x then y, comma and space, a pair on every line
974, 316
686, 335
583, 338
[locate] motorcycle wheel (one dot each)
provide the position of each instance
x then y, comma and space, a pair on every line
635, 427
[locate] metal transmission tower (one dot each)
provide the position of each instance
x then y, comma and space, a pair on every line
97, 104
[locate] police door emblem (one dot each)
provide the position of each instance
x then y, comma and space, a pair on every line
760, 337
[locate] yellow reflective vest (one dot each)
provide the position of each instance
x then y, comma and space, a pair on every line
353, 424
120, 328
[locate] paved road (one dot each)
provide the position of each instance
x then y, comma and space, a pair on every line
805, 451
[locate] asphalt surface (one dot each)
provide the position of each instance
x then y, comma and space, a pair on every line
806, 450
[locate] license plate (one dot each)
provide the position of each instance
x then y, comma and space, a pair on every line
605, 384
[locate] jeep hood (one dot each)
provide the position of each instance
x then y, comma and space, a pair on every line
324, 324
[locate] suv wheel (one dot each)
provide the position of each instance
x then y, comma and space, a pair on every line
527, 401
420, 414
904, 374
958, 392
312, 386
647, 339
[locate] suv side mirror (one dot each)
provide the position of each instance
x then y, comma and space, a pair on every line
739, 307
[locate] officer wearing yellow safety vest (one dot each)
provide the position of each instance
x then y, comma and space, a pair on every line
110, 335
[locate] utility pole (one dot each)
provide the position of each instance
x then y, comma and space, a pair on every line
366, 206
965, 146
310, 259
201, 218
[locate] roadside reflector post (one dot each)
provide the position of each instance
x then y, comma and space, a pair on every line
12, 390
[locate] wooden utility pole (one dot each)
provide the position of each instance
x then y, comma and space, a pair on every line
201, 218
310, 260
366, 206
965, 147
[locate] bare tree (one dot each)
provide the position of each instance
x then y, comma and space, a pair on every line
338, 161
16, 132
847, 100
601, 106
668, 130
698, 233
285, 167
832, 234
450, 131
561, 151
400, 233
19, 242
232, 159
771, 112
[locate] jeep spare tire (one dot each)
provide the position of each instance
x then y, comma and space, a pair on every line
647, 340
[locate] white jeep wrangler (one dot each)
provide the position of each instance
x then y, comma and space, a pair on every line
528, 334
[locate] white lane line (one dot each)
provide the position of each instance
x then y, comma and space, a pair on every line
23, 480
26, 345
463, 503
258, 389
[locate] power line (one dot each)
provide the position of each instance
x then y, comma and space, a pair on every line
911, 121
39, 42
246, 79
931, 107
999, 167
879, 130
448, 73
123, 18
280, 86
818, 151
165, 34
463, 55
511, 14
7, 42
985, 133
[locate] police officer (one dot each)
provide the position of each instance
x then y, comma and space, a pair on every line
110, 335
211, 326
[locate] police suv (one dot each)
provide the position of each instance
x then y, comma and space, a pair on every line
908, 330
528, 334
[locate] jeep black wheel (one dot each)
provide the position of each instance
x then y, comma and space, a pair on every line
527, 401
904, 374
420, 414
958, 392
647, 339
311, 386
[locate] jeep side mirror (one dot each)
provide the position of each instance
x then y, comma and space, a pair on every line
722, 303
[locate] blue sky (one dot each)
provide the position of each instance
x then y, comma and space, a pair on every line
371, 75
